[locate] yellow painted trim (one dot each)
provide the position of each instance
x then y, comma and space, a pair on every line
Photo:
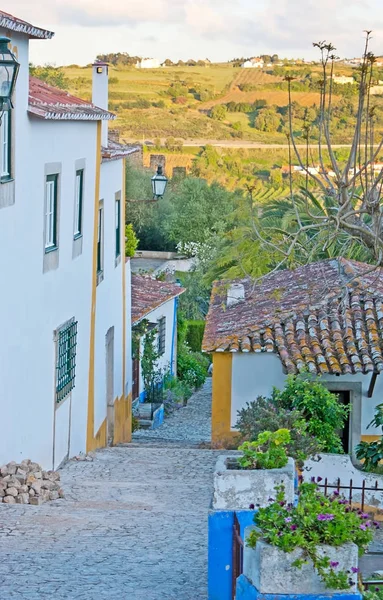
221, 432
100, 439
127, 434
122, 420
370, 438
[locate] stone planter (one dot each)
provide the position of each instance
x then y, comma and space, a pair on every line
150, 415
236, 489
271, 570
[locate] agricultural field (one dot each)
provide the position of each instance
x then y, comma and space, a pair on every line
254, 77
272, 97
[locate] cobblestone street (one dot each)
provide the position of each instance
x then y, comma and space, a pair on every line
133, 524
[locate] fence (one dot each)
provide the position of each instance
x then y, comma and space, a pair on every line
237, 555
351, 490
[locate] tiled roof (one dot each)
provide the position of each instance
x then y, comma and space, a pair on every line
115, 150
326, 317
48, 102
148, 294
12, 23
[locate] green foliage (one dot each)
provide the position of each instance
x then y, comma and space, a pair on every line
135, 424
372, 452
149, 361
131, 241
52, 75
218, 112
194, 335
267, 120
324, 414
177, 392
190, 369
264, 414
373, 593
268, 451
315, 520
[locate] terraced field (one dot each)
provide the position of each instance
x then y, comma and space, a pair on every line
277, 97
254, 77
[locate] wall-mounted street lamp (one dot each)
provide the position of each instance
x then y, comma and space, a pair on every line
159, 183
9, 69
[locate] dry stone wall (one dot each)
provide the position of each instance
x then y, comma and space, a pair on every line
28, 483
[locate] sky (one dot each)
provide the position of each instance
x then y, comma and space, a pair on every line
198, 29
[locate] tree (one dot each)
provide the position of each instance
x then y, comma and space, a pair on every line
52, 75
218, 112
267, 120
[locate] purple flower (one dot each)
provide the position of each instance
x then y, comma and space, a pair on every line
376, 524
282, 503
270, 500
293, 527
252, 506
336, 493
364, 516
333, 564
354, 570
377, 589
363, 527
300, 478
319, 479
326, 517
312, 479
288, 519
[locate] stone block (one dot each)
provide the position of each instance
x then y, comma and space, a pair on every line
32, 492
23, 489
271, 570
14, 482
9, 500
7, 478
22, 499
54, 495
25, 463
236, 489
11, 491
4, 471
38, 474
61, 493
2, 492
35, 500
36, 485
3, 485
21, 475
53, 476
48, 485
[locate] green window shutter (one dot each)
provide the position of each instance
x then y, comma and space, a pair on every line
118, 227
66, 360
79, 202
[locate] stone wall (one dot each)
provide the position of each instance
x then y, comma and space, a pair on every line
27, 483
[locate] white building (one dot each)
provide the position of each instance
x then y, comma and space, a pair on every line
154, 302
148, 63
253, 63
343, 80
65, 363
324, 318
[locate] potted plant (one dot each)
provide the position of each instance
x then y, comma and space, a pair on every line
310, 548
250, 478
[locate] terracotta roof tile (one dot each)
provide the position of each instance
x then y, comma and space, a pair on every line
148, 294
48, 102
116, 150
12, 23
326, 317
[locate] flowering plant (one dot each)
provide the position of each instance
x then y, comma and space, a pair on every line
268, 451
315, 520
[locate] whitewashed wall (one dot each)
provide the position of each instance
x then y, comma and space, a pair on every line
109, 294
256, 374
165, 310
128, 349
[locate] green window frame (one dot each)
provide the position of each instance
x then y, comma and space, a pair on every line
118, 227
51, 188
161, 340
79, 192
66, 360
100, 240
6, 141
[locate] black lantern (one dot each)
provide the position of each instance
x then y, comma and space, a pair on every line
9, 69
159, 183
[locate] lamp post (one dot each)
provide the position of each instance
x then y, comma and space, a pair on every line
9, 69
159, 183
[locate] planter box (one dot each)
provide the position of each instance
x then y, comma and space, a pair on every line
151, 416
270, 569
236, 489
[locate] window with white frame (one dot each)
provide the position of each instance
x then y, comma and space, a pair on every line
51, 212
79, 190
5, 136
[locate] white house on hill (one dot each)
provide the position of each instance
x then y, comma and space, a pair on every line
65, 363
253, 63
148, 63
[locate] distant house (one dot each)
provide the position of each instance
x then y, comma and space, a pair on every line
353, 62
253, 63
148, 63
343, 80
324, 318
157, 303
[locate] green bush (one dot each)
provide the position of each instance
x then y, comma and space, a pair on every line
194, 335
372, 452
268, 451
190, 370
321, 409
131, 241
264, 414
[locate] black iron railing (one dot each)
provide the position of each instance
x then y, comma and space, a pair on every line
237, 569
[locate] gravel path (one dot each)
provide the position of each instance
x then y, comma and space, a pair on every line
190, 425
133, 525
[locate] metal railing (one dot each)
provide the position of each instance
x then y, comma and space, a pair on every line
237, 568
349, 490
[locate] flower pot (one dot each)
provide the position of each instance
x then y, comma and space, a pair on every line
271, 570
236, 488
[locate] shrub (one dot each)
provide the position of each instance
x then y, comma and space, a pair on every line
131, 241
218, 112
264, 415
268, 451
315, 520
176, 393
194, 335
190, 370
321, 409
372, 452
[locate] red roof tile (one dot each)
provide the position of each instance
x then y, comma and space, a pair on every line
48, 102
12, 23
148, 294
326, 317
116, 150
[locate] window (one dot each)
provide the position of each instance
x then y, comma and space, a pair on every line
100, 240
6, 146
161, 335
118, 227
51, 213
79, 188
66, 359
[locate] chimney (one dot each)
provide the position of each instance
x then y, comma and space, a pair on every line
235, 294
100, 95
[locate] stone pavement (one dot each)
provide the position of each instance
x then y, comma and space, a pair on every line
133, 525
